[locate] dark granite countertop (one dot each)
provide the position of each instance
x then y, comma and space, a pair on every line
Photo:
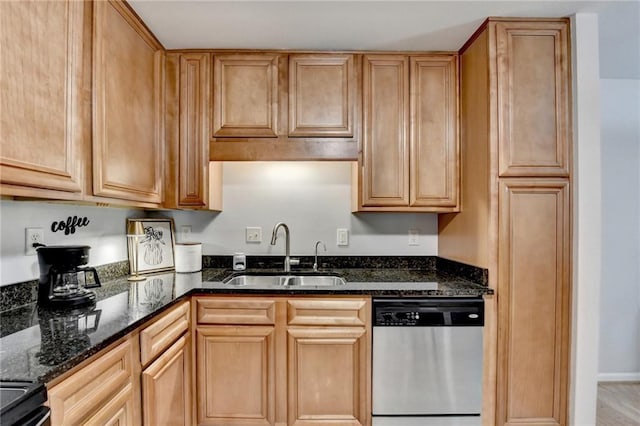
38, 345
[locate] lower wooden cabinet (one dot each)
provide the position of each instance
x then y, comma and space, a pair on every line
327, 376
236, 375
166, 386
534, 304
303, 361
282, 361
105, 391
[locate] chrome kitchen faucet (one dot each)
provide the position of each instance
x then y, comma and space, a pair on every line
315, 262
287, 246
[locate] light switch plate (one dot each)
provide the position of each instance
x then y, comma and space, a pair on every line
342, 237
414, 235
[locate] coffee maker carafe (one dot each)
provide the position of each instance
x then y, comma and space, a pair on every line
63, 279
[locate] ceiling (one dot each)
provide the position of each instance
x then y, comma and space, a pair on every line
376, 25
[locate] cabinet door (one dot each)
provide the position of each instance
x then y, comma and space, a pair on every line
322, 95
245, 95
534, 130
236, 375
106, 391
166, 387
534, 288
118, 411
127, 134
157, 337
328, 376
434, 132
40, 81
193, 152
385, 150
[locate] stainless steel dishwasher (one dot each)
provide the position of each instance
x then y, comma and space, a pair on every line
427, 361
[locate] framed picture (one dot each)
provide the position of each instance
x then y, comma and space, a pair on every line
152, 248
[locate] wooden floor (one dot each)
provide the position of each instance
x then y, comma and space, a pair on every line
618, 404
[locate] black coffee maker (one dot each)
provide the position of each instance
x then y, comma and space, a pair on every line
63, 280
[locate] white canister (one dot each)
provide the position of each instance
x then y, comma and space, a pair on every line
188, 257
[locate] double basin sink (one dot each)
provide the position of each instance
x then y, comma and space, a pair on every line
283, 279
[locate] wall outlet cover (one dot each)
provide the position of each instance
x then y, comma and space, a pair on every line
185, 232
32, 236
253, 234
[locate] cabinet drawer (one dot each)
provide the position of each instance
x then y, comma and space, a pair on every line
327, 312
157, 337
82, 395
236, 311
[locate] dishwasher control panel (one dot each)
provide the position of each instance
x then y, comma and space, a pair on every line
434, 312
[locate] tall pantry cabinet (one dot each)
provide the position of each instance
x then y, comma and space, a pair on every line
516, 211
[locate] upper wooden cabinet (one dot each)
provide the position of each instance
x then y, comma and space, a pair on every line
322, 90
245, 95
43, 116
533, 87
410, 149
385, 149
128, 142
435, 148
284, 106
191, 180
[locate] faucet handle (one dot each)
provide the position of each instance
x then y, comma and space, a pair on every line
294, 261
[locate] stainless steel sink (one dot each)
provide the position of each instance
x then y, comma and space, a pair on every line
284, 280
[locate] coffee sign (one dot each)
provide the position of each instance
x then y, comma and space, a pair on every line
69, 226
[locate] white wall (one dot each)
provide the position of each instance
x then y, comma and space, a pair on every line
105, 234
313, 199
620, 294
587, 221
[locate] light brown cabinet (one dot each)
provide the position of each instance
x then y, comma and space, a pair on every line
245, 95
322, 95
166, 386
81, 84
533, 87
534, 272
143, 379
105, 391
165, 356
410, 149
516, 220
191, 180
42, 76
270, 361
328, 370
128, 141
284, 106
236, 375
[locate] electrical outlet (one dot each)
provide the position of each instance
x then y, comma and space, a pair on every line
185, 232
413, 237
253, 234
32, 236
342, 237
